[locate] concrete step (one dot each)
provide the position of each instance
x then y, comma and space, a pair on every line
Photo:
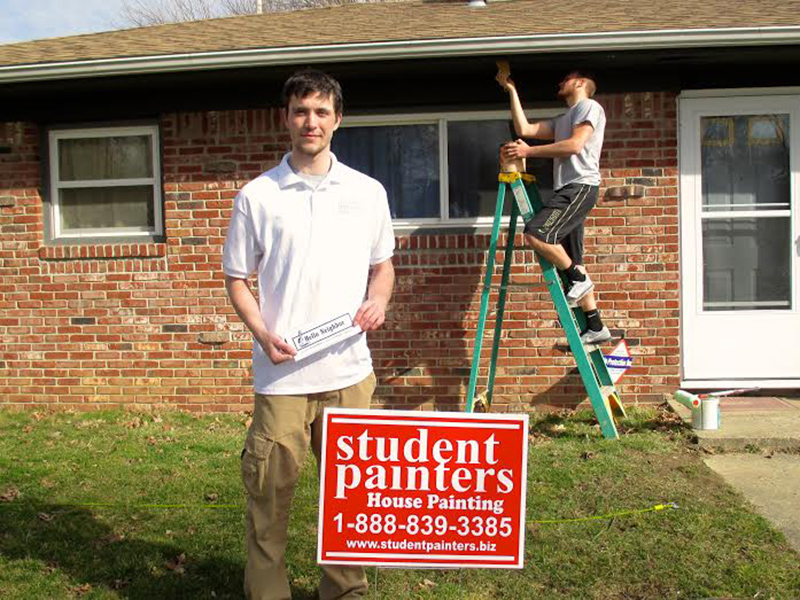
750, 424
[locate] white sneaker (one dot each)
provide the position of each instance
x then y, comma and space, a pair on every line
578, 290
596, 337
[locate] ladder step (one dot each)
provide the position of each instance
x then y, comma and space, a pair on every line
611, 395
607, 390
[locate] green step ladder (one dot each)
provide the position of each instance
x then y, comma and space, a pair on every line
594, 373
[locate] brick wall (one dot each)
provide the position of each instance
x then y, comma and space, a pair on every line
149, 324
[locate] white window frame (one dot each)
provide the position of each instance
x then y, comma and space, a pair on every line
441, 119
56, 185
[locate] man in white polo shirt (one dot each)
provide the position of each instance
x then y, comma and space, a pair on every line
311, 228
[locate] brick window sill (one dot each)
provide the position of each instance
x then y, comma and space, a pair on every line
102, 251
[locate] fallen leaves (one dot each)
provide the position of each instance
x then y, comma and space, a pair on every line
80, 590
46, 517
426, 584
666, 418
178, 564
535, 438
135, 423
10, 494
155, 441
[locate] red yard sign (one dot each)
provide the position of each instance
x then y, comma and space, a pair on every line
423, 489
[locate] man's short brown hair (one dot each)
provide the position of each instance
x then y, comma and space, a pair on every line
591, 85
311, 81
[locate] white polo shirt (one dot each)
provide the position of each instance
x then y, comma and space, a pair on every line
312, 249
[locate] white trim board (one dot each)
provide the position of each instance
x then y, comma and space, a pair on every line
727, 384
729, 92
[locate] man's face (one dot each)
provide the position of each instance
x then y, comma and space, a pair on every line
567, 86
311, 122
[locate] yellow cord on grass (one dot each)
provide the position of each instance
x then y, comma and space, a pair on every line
623, 513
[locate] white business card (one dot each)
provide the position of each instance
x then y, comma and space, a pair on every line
314, 337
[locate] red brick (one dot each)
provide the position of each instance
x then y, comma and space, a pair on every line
632, 247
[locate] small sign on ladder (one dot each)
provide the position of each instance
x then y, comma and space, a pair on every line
618, 361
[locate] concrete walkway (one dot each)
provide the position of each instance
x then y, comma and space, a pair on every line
757, 451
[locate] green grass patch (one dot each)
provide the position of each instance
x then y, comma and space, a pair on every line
58, 539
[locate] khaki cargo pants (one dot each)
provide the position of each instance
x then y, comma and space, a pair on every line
274, 453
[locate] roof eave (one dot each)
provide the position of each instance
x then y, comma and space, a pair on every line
404, 49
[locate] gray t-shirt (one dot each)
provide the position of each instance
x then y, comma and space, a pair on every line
583, 167
313, 181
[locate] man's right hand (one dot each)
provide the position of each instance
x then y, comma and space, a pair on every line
276, 349
503, 76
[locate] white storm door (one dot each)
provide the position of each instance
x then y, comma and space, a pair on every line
740, 321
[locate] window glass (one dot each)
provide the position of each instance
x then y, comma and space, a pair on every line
90, 159
404, 158
473, 164
97, 208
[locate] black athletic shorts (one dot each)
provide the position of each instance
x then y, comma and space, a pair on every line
561, 219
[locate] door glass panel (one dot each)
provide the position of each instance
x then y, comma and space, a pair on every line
745, 169
746, 264
745, 163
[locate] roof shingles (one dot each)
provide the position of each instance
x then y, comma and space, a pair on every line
397, 21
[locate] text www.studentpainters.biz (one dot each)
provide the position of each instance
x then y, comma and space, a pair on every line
419, 545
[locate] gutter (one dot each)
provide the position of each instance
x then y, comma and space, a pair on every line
405, 49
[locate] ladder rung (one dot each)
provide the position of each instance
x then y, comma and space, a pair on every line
607, 390
589, 348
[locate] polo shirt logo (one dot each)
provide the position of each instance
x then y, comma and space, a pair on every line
349, 206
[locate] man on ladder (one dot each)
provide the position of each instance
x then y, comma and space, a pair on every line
556, 232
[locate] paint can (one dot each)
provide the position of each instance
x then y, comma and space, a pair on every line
709, 407
705, 410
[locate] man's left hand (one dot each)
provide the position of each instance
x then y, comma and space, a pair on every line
370, 315
516, 149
